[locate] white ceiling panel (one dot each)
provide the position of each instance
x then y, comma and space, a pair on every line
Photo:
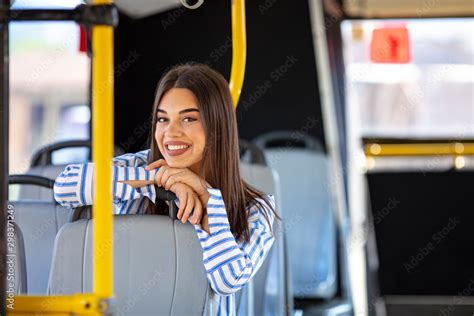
142, 8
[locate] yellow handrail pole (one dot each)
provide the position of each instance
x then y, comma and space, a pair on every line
102, 126
102, 148
76, 304
421, 149
239, 49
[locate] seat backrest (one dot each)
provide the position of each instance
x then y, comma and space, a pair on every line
39, 221
157, 265
15, 268
269, 286
42, 165
33, 192
308, 213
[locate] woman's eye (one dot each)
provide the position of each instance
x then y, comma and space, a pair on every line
162, 119
189, 119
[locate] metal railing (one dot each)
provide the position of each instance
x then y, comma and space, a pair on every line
419, 149
239, 50
98, 302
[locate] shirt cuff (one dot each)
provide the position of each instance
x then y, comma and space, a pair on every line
126, 191
216, 214
150, 189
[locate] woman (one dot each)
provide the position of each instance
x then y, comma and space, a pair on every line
195, 154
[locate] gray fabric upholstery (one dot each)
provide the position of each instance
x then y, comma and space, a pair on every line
39, 221
261, 177
308, 219
33, 192
16, 275
52, 172
269, 286
158, 266
288, 137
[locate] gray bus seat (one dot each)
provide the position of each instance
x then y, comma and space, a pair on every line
308, 212
33, 192
39, 221
158, 266
42, 165
269, 286
16, 276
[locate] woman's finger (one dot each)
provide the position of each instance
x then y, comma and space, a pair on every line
182, 203
156, 164
172, 179
159, 175
167, 174
189, 207
197, 213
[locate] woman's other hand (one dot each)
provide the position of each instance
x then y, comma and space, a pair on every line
189, 202
167, 176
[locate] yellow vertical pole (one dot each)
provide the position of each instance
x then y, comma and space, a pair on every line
239, 49
102, 147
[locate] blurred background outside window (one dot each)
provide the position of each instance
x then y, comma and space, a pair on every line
425, 91
49, 83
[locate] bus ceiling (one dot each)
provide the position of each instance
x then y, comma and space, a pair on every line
352, 8
138, 9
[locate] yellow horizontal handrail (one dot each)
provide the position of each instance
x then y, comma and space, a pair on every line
78, 304
239, 49
419, 149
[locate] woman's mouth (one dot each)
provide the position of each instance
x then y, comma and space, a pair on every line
176, 150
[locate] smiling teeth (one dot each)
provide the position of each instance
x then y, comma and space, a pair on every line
177, 147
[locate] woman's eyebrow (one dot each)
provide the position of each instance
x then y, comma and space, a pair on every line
182, 111
188, 110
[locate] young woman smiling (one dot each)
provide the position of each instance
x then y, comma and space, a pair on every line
194, 153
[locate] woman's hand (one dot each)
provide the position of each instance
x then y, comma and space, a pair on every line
189, 202
167, 176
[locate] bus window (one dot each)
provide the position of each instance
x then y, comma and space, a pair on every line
73, 124
49, 85
430, 96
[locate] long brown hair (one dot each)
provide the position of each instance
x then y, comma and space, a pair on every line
221, 161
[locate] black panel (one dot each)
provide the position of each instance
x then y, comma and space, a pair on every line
4, 163
278, 33
424, 229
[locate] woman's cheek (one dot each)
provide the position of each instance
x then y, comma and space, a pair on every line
158, 141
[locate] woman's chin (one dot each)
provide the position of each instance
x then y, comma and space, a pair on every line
179, 162
175, 163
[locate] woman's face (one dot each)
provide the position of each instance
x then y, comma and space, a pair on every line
179, 131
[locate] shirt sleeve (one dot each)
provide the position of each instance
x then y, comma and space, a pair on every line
74, 186
230, 265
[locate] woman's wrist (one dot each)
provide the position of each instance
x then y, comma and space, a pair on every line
204, 197
204, 193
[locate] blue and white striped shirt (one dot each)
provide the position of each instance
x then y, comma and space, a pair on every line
229, 265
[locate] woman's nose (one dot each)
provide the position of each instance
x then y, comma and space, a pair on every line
174, 129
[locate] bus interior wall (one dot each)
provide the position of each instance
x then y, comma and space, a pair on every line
280, 90
423, 231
